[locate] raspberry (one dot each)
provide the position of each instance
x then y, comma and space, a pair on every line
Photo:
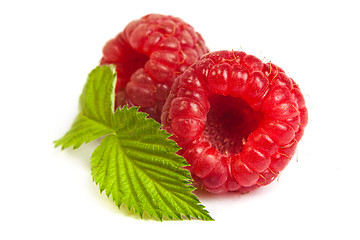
149, 53
238, 120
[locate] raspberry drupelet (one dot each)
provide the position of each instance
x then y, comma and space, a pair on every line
149, 54
238, 120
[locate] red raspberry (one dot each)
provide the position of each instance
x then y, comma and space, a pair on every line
148, 55
238, 120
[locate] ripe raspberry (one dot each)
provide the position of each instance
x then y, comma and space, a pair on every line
238, 120
149, 53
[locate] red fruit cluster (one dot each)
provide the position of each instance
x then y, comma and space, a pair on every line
149, 53
238, 120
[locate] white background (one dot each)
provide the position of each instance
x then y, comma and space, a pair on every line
47, 48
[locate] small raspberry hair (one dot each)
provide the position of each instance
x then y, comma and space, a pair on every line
238, 120
149, 53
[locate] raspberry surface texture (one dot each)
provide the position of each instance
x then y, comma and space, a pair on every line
238, 120
149, 54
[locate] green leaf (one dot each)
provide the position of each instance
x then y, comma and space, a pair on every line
97, 98
135, 163
96, 109
83, 130
138, 167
